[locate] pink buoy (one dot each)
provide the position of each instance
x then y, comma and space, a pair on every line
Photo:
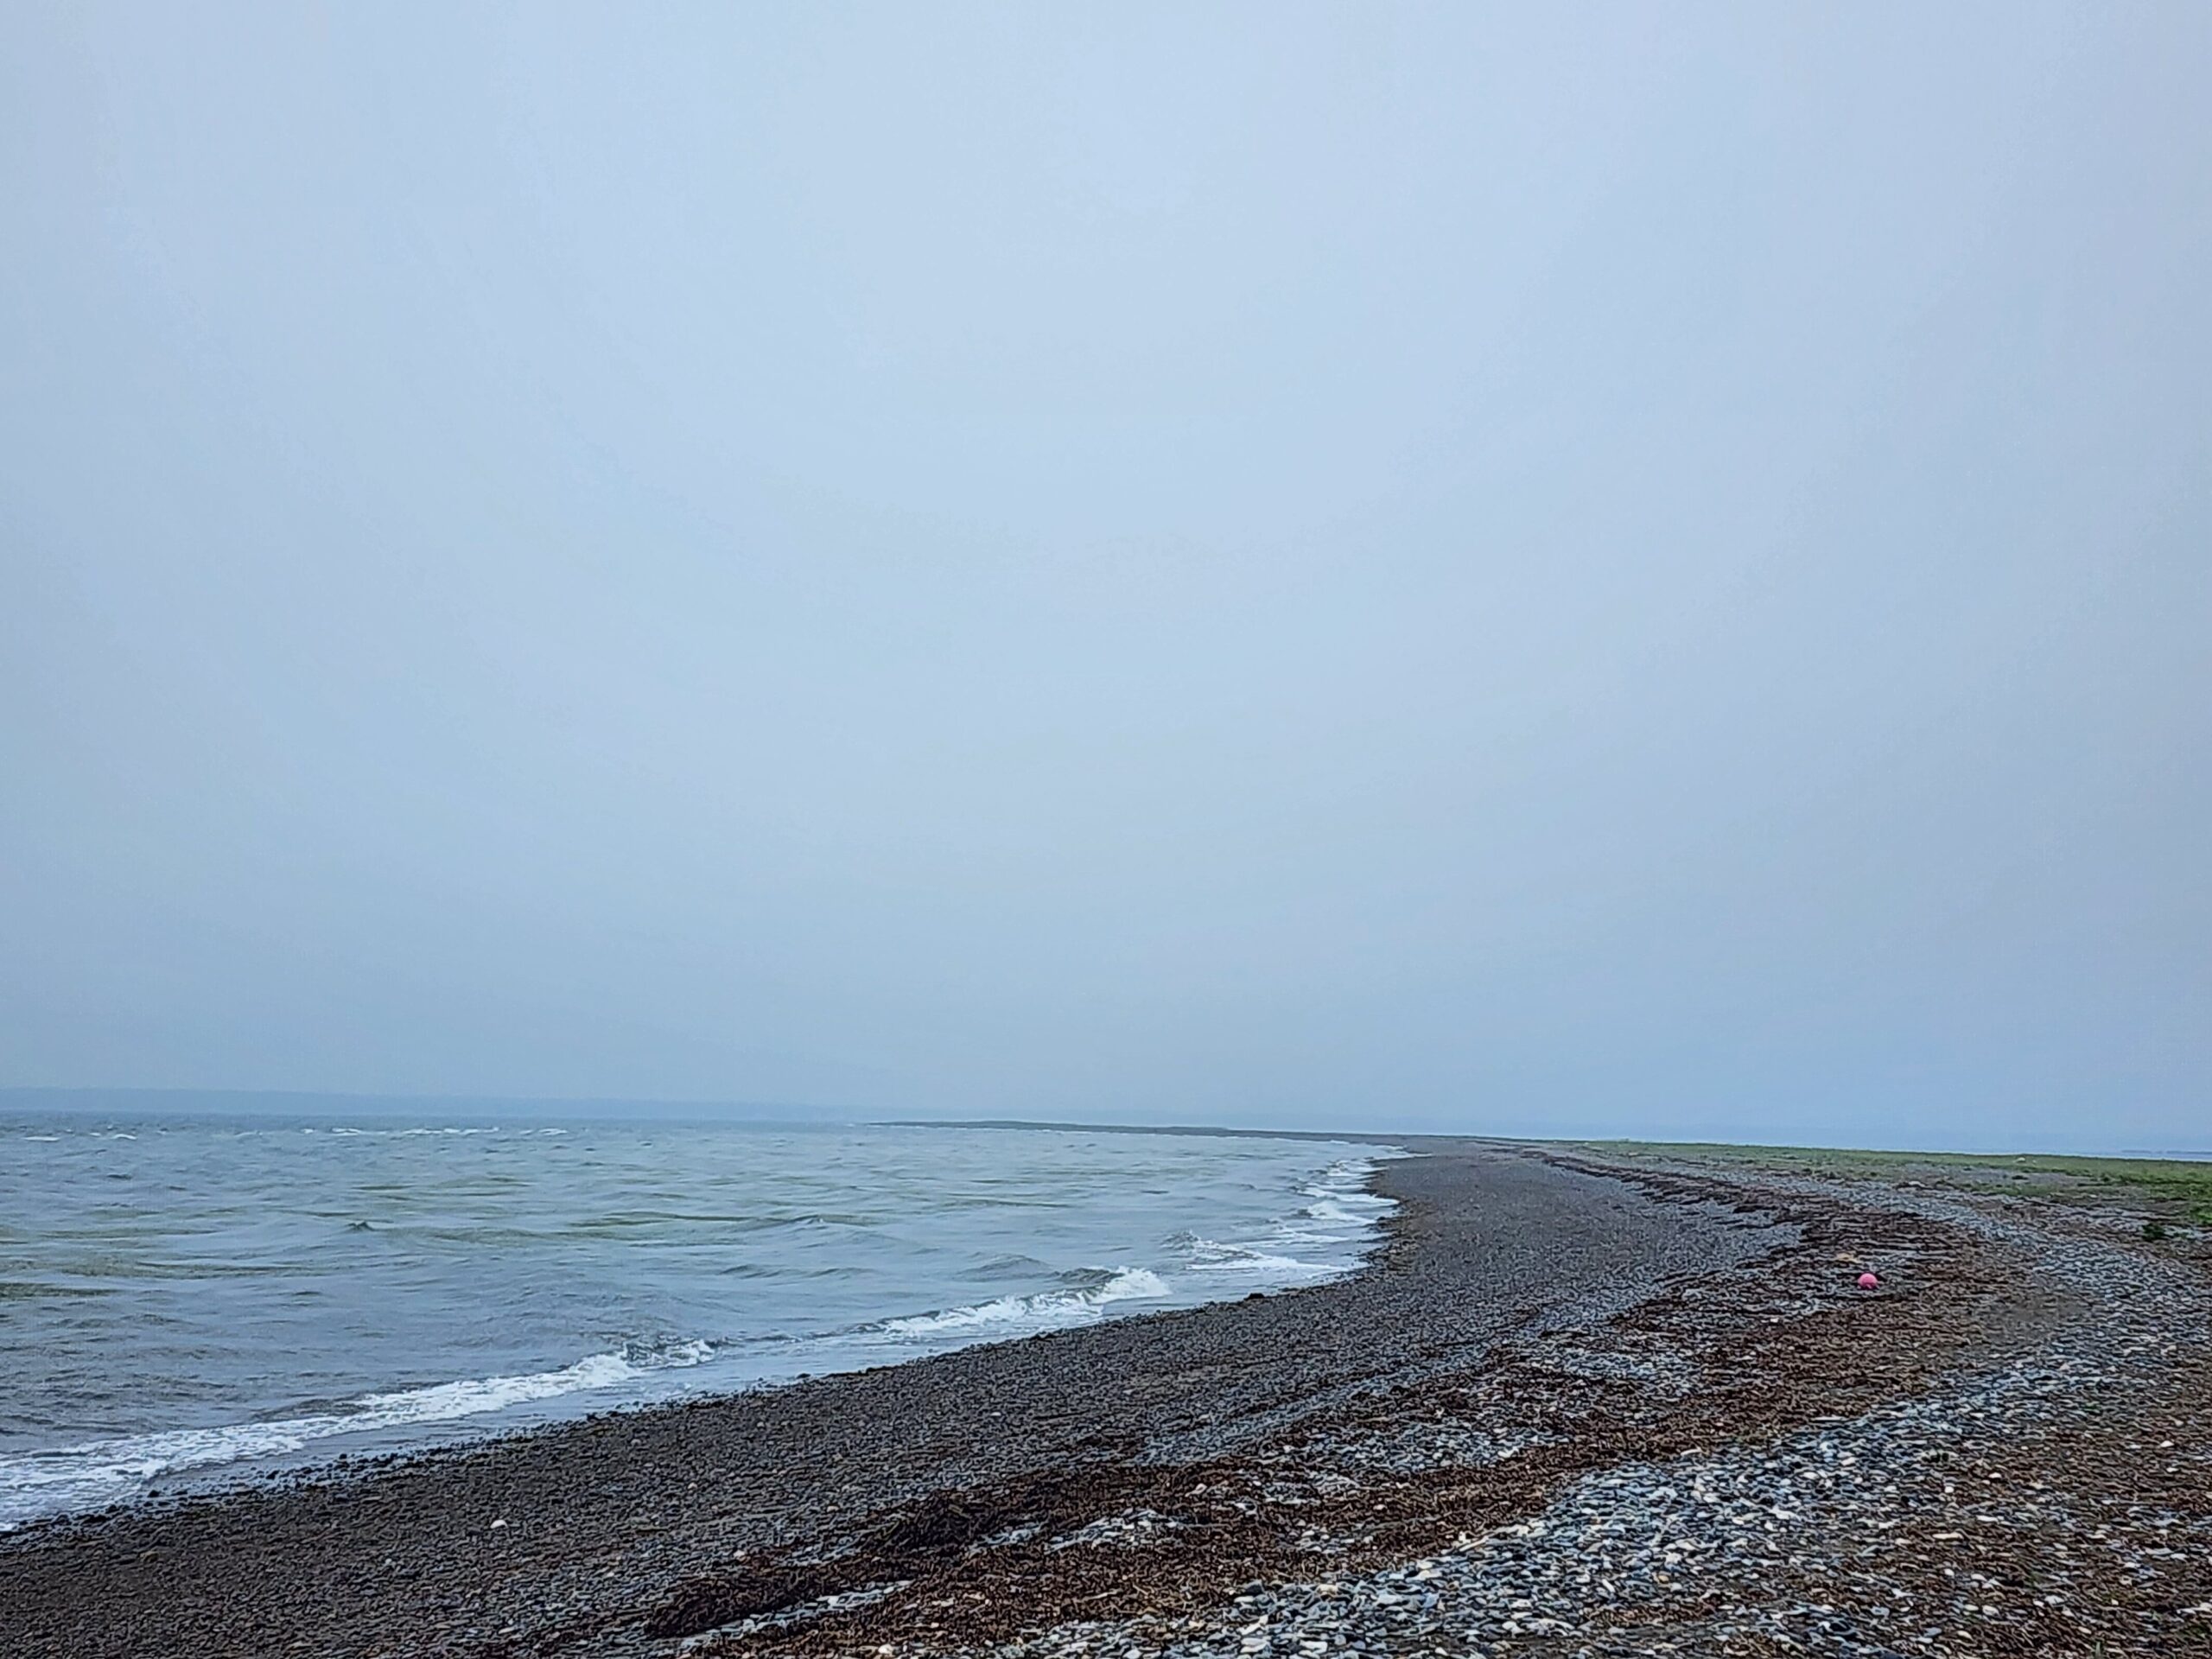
1868, 1282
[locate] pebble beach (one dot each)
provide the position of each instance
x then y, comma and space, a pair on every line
1575, 1405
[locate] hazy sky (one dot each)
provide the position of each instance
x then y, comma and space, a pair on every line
1535, 568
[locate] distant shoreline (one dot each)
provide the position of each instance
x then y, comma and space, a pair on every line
219, 1103
1351, 1137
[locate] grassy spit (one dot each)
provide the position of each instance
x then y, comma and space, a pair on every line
2166, 1189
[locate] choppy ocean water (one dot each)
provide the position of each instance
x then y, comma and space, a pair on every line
195, 1298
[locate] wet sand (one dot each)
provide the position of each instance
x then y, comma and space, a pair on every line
1531, 1326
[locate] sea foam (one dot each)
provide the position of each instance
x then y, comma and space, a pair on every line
96, 1470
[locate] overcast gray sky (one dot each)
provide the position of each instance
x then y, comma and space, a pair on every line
1533, 568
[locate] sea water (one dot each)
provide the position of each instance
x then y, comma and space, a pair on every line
186, 1298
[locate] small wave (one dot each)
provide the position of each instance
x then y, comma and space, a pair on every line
1341, 1208
1346, 1183
1210, 1255
1047, 1310
101, 1471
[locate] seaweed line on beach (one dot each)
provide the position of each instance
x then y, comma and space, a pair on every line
1407, 1471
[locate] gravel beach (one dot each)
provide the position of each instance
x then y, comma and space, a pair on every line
1575, 1405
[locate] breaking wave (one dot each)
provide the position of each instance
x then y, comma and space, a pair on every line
1049, 1310
98, 1470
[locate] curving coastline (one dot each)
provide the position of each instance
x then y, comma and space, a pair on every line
1346, 1464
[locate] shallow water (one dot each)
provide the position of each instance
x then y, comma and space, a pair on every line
209, 1295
